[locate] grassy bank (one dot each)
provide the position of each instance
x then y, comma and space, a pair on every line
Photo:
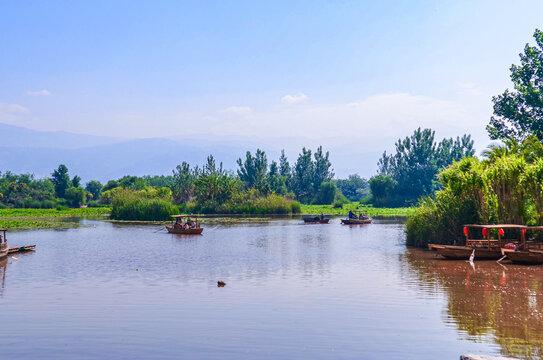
329, 209
26, 219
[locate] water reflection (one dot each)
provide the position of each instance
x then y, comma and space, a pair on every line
489, 301
3, 267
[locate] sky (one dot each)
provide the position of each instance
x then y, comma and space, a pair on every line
335, 72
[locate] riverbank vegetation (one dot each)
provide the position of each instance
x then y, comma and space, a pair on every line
505, 187
26, 219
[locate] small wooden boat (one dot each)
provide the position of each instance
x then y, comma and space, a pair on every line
464, 252
485, 249
527, 257
190, 227
4, 248
361, 219
527, 252
315, 219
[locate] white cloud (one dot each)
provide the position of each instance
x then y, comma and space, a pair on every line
237, 110
294, 99
13, 108
44, 92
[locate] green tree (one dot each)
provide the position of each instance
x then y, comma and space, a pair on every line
383, 190
519, 113
302, 176
183, 182
94, 187
253, 171
111, 184
61, 180
76, 181
354, 187
326, 193
276, 182
75, 196
322, 169
417, 161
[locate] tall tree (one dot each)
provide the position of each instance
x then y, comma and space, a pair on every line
276, 182
284, 166
95, 188
61, 180
322, 169
253, 171
302, 177
76, 181
416, 163
183, 182
519, 113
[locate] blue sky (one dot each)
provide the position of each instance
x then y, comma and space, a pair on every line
363, 72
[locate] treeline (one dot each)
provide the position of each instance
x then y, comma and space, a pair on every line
258, 186
410, 173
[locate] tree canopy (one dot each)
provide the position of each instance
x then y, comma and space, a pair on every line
518, 113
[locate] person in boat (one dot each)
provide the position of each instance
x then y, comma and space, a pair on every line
351, 215
322, 216
362, 217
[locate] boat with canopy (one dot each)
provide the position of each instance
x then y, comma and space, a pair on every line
486, 248
188, 227
528, 252
359, 218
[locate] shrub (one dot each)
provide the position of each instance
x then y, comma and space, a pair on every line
132, 205
62, 207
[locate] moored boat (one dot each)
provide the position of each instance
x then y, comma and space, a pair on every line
4, 248
485, 249
527, 252
527, 257
190, 227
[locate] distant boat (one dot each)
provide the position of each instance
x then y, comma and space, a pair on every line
361, 219
190, 227
4, 248
315, 219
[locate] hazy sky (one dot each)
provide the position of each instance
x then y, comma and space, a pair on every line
365, 71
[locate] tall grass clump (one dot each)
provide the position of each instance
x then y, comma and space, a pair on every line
504, 189
138, 205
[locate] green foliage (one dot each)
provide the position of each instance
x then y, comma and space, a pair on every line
354, 187
111, 184
416, 163
253, 171
75, 196
61, 180
76, 181
137, 205
94, 187
331, 210
183, 182
519, 113
501, 189
383, 191
326, 194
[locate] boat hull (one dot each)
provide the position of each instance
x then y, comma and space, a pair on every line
464, 252
527, 257
356, 221
191, 231
4, 251
311, 221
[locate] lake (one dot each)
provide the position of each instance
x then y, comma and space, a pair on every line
293, 291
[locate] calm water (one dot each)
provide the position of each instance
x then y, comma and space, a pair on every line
293, 291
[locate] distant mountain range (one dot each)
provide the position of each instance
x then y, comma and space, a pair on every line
102, 158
